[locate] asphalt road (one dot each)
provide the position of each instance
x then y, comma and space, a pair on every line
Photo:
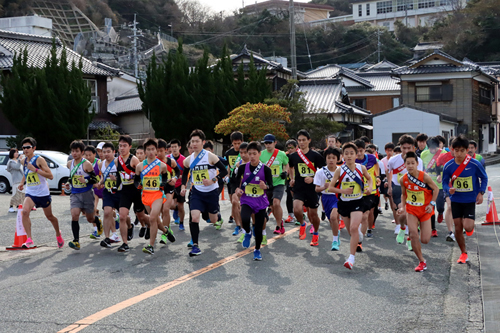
296, 288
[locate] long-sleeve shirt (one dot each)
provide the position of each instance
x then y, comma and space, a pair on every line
469, 183
16, 170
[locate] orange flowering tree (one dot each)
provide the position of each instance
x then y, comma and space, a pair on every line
255, 121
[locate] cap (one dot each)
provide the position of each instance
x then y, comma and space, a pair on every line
269, 138
99, 146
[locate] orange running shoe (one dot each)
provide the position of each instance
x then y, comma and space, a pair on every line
348, 265
341, 224
315, 240
422, 266
463, 258
289, 219
302, 232
469, 233
434, 233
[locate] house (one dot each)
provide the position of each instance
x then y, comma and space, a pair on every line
34, 25
460, 89
389, 125
304, 12
324, 96
39, 48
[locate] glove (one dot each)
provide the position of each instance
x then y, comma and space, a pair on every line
283, 175
226, 180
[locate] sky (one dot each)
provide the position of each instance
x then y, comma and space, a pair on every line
230, 5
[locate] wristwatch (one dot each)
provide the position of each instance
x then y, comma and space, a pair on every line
433, 203
214, 180
482, 192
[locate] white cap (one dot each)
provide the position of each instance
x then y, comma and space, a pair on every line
99, 146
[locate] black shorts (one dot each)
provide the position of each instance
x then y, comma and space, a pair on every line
370, 201
177, 195
204, 201
383, 189
231, 187
131, 195
463, 210
310, 199
345, 208
168, 189
111, 200
396, 194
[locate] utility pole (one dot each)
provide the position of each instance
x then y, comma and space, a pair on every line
293, 49
135, 46
378, 44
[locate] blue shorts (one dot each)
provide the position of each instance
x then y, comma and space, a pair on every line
329, 202
204, 201
111, 200
41, 202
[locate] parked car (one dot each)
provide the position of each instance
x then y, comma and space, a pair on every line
56, 161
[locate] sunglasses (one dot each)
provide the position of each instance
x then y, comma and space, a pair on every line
291, 147
27, 147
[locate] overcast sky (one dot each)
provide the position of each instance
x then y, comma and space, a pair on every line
230, 5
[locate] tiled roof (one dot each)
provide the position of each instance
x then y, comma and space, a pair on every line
323, 72
125, 104
380, 82
103, 124
39, 50
383, 66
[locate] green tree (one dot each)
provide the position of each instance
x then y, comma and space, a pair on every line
52, 103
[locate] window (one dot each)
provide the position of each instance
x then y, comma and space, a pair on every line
360, 102
4, 159
367, 9
434, 93
426, 4
387, 25
404, 5
395, 102
446, 135
360, 10
491, 135
484, 95
384, 7
445, 2
92, 84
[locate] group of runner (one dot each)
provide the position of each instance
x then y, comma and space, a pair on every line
414, 178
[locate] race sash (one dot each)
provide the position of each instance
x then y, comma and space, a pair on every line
328, 174
124, 167
95, 162
353, 175
271, 160
178, 164
365, 161
169, 168
149, 168
399, 169
252, 175
306, 161
32, 162
198, 158
434, 159
76, 168
460, 168
108, 169
416, 181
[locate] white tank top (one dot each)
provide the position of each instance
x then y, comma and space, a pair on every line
203, 170
348, 182
36, 185
108, 183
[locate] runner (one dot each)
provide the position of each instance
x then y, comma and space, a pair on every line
209, 146
396, 170
389, 152
126, 163
255, 179
419, 193
139, 153
421, 143
149, 177
81, 180
466, 181
233, 183
291, 147
322, 180
350, 189
278, 162
204, 195
304, 164
36, 173
90, 155
448, 216
99, 151
472, 152
233, 156
179, 200
331, 141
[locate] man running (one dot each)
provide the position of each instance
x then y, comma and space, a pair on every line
36, 173
421, 143
90, 155
472, 152
233, 156
179, 200
203, 167
278, 162
291, 147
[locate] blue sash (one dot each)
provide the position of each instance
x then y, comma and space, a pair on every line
354, 176
32, 162
150, 167
179, 165
108, 169
252, 175
198, 159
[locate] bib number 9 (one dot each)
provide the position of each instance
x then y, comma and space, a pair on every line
463, 184
415, 198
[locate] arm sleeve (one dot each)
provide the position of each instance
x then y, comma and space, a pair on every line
93, 178
238, 175
177, 171
137, 180
185, 177
222, 170
269, 176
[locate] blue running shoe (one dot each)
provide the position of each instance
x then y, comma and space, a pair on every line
177, 221
190, 244
208, 221
335, 246
181, 227
256, 255
246, 240
176, 214
236, 230
195, 251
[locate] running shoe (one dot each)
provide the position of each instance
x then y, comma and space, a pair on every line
469, 233
269, 211
422, 266
440, 218
360, 234
195, 251
369, 233
311, 229
315, 240
450, 237
170, 235
246, 240
175, 215
408, 243
289, 219
282, 229
323, 216
348, 264
148, 234
74, 245
463, 258
142, 232
177, 221
257, 255
163, 238
401, 236
60, 240
100, 228
359, 248
114, 238
380, 211
302, 232
11, 210
218, 224
277, 231
386, 206
242, 237
94, 235
434, 233
264, 240
297, 222
208, 221
130, 233
149, 250
123, 248
136, 222
335, 246
397, 229
237, 230
393, 221
181, 227
190, 244
231, 219
106, 243
28, 244
33, 209
341, 224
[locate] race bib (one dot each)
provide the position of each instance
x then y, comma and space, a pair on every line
151, 183
109, 184
463, 184
126, 178
232, 159
77, 183
199, 175
304, 170
327, 183
356, 190
415, 198
254, 190
32, 179
275, 170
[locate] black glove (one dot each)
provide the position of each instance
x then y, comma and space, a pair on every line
283, 175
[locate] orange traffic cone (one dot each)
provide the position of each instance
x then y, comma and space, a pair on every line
492, 215
223, 194
19, 240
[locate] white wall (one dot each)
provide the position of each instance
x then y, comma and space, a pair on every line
34, 25
487, 147
404, 120
121, 85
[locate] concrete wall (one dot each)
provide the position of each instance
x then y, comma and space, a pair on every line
34, 25
133, 123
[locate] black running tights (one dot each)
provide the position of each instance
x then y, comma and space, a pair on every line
246, 218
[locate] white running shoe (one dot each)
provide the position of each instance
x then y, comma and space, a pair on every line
396, 230
115, 238
12, 210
